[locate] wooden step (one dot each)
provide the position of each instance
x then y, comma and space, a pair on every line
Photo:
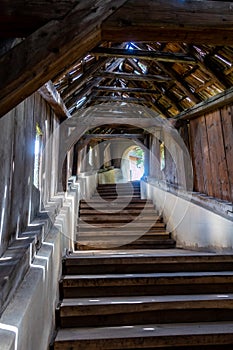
123, 243
115, 311
115, 205
145, 336
122, 200
147, 284
118, 218
120, 261
113, 211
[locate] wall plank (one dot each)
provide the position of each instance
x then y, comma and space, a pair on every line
227, 124
211, 142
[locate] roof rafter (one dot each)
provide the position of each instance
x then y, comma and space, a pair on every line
59, 43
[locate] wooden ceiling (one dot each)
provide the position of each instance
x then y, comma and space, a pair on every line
167, 55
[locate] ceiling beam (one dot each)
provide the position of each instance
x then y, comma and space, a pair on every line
112, 136
131, 76
145, 55
209, 22
118, 99
179, 82
78, 83
126, 89
41, 56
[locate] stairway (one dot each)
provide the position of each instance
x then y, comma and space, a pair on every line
135, 297
116, 216
147, 299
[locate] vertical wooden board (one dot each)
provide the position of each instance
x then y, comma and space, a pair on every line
16, 222
197, 155
206, 168
6, 161
217, 156
227, 125
29, 127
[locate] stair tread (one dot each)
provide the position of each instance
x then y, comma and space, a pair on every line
149, 330
148, 255
181, 300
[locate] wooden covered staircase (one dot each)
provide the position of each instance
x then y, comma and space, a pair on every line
139, 297
116, 216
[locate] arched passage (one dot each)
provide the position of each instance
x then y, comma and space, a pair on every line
132, 163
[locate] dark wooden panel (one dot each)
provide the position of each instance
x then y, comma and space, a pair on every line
196, 150
206, 167
227, 125
172, 20
217, 156
61, 43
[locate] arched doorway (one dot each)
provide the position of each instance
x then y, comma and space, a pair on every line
132, 163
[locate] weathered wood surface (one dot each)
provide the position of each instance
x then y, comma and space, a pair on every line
193, 21
212, 145
146, 55
227, 124
60, 43
19, 18
52, 96
140, 91
209, 105
131, 76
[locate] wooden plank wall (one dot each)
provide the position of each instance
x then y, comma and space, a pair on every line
19, 199
211, 142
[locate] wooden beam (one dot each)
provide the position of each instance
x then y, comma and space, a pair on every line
52, 96
145, 55
179, 82
87, 89
29, 65
20, 18
78, 83
126, 89
112, 136
129, 76
118, 99
209, 22
207, 106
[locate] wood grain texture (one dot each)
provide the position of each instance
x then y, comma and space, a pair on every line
173, 20
44, 53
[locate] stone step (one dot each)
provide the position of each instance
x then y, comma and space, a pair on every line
115, 311
147, 284
177, 260
150, 336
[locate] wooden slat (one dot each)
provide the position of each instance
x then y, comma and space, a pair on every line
44, 53
193, 21
217, 156
197, 155
206, 167
227, 125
